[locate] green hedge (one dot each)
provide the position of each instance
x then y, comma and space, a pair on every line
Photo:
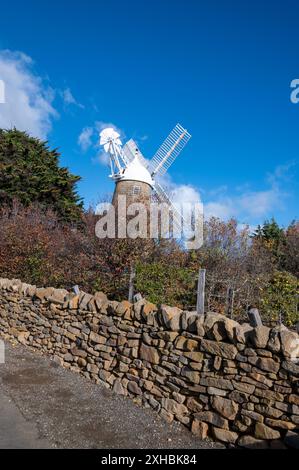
161, 283
279, 299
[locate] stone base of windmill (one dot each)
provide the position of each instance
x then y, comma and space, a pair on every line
130, 192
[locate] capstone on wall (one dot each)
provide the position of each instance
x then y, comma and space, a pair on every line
219, 378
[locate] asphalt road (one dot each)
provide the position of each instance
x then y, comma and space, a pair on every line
43, 405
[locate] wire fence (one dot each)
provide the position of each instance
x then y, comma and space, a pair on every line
231, 297
224, 297
202, 292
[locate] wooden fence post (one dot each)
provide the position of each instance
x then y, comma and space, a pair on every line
230, 302
200, 304
76, 289
254, 317
131, 284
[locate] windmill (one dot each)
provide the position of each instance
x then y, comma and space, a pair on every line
135, 176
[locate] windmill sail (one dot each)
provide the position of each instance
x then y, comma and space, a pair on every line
131, 150
110, 140
160, 196
169, 150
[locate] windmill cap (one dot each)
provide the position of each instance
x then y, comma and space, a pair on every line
135, 171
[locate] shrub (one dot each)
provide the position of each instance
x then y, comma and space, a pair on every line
166, 283
279, 299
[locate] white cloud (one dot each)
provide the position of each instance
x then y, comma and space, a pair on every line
179, 193
248, 205
260, 203
218, 191
281, 173
28, 99
183, 196
102, 157
85, 138
222, 209
68, 98
184, 193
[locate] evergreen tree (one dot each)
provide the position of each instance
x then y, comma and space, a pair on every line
270, 230
30, 173
272, 237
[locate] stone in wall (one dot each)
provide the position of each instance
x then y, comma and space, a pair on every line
232, 382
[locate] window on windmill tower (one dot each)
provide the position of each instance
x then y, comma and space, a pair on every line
136, 190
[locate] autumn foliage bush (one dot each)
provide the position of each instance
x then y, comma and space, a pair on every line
38, 248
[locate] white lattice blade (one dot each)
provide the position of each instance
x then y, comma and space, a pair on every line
131, 150
169, 150
162, 197
161, 194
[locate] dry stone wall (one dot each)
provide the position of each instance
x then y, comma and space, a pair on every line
232, 382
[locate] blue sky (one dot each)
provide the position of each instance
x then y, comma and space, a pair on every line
221, 68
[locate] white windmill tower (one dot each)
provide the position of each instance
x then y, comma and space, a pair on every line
135, 176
